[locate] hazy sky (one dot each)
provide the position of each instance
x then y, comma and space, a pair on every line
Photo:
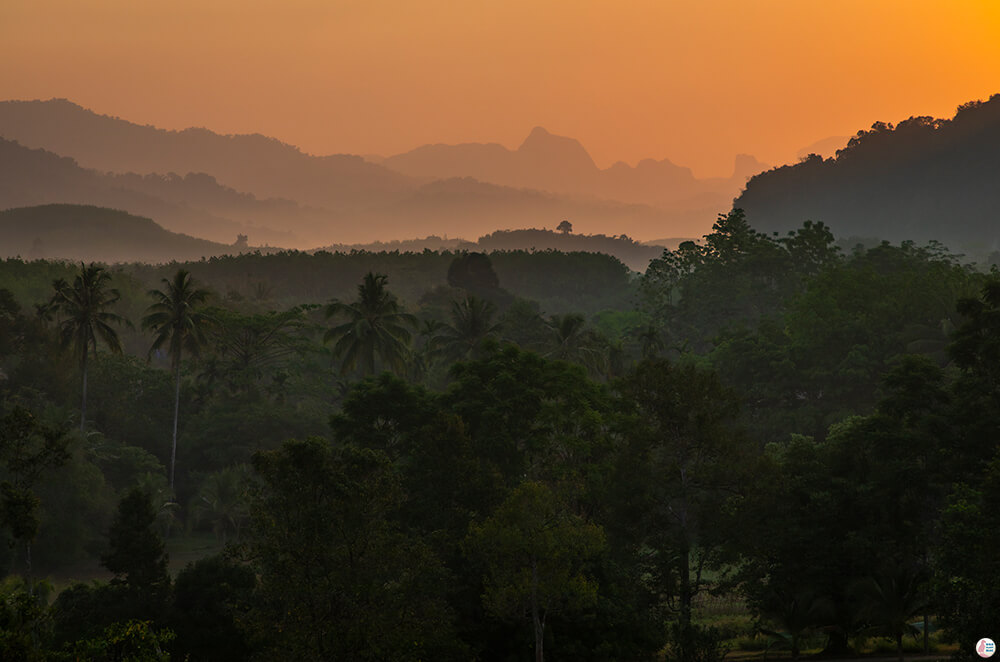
695, 82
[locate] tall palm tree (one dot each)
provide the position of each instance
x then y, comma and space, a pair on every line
85, 319
570, 340
375, 326
174, 318
471, 323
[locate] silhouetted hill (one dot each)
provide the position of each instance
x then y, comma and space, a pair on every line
255, 183
562, 165
80, 232
195, 204
253, 163
922, 179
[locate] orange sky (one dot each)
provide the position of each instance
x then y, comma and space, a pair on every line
695, 82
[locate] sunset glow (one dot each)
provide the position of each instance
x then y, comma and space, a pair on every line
695, 82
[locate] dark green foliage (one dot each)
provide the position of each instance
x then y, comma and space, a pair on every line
354, 547
136, 555
529, 417
473, 272
83, 611
338, 577
682, 466
25, 624
471, 323
376, 326
535, 551
28, 448
83, 318
967, 578
126, 641
211, 599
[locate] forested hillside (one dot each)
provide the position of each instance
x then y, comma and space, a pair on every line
78, 232
922, 179
761, 443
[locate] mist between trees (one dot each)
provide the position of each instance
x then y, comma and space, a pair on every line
761, 442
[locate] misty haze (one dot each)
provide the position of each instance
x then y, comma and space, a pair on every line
499, 331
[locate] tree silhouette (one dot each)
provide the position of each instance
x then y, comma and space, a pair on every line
565, 227
375, 326
176, 322
571, 340
86, 319
471, 323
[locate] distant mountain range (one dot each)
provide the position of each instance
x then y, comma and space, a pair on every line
922, 179
80, 232
194, 204
562, 165
199, 181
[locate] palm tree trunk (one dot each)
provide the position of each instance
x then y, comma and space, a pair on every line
177, 407
83, 404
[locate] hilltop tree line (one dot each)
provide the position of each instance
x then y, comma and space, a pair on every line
921, 179
462, 475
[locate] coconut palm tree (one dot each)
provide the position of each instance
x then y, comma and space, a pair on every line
375, 326
174, 318
570, 340
84, 318
471, 323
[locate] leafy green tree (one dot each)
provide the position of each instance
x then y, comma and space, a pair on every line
126, 641
535, 553
375, 327
136, 555
27, 450
966, 585
179, 325
683, 462
473, 272
211, 597
25, 623
528, 417
339, 579
249, 347
85, 319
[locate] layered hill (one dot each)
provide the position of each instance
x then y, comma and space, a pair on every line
922, 179
256, 164
79, 232
195, 204
562, 165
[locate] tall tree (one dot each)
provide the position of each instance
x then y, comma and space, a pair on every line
86, 318
27, 449
375, 326
177, 323
339, 578
534, 550
681, 465
471, 323
137, 557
